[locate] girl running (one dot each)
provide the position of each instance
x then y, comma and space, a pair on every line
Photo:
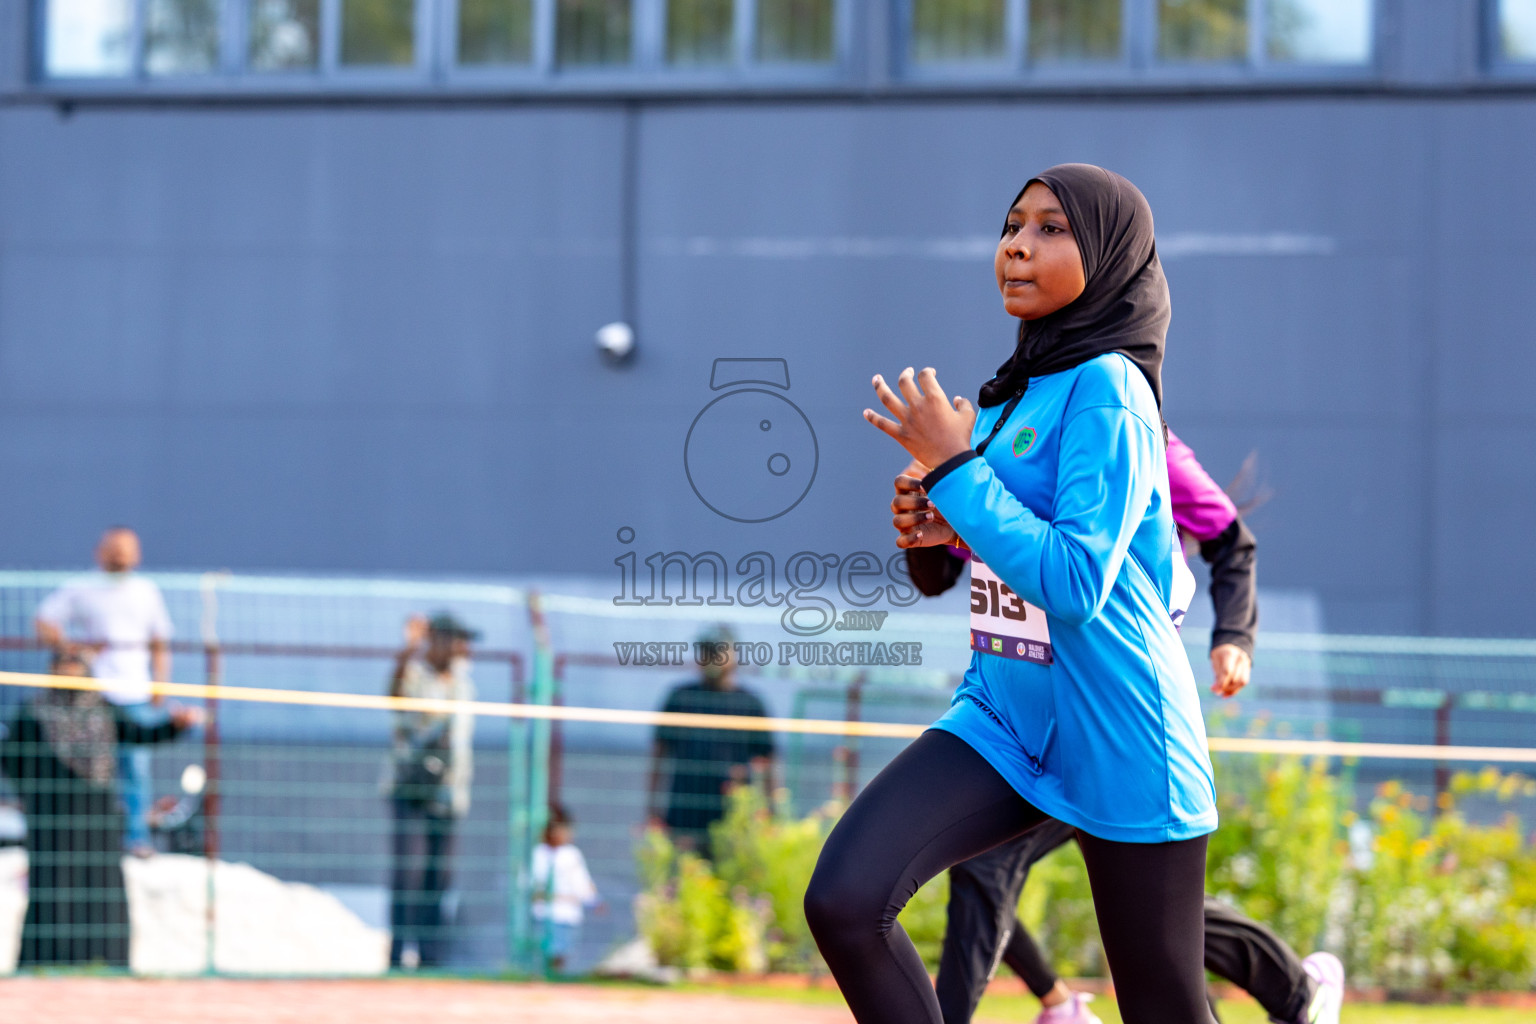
982, 928
1079, 704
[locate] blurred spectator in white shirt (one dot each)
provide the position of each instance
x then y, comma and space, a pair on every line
117, 621
562, 888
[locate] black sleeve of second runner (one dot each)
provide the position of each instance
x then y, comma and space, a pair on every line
933, 569
1234, 570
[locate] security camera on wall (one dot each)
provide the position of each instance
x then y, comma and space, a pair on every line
616, 341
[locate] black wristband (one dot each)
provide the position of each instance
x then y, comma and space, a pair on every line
948, 466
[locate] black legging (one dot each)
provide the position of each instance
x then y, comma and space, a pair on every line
981, 929
1257, 961
980, 924
939, 803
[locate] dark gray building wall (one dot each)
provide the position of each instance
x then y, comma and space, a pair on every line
360, 337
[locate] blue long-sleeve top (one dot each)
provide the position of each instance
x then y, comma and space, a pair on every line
1070, 507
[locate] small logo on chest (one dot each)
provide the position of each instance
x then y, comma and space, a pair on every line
1023, 441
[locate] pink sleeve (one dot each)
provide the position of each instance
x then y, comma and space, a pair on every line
1200, 508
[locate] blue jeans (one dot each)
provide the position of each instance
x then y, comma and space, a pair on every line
559, 941
135, 785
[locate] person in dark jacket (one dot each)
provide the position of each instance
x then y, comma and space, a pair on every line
706, 764
60, 753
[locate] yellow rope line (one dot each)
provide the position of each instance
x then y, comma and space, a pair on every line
380, 702
743, 723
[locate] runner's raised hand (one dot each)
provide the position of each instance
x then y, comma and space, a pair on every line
929, 426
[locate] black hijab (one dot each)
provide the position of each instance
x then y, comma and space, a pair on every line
1124, 306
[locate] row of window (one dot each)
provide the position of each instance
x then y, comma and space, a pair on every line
1187, 31
159, 38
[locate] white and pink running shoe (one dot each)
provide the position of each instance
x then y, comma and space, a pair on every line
1328, 972
1073, 1011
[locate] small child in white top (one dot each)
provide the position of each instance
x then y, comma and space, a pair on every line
562, 888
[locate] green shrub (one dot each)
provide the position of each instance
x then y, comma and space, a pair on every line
743, 912
1411, 902
1057, 908
1441, 904
1281, 851
692, 918
768, 853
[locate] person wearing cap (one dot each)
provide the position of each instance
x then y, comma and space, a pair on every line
706, 764
427, 779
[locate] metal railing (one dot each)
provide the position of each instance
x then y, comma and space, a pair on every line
293, 816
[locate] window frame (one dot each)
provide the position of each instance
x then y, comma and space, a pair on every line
1015, 45
221, 64
39, 39
1495, 62
859, 60
1138, 62
436, 68
844, 22
366, 75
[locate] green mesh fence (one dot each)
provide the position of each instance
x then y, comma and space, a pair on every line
295, 857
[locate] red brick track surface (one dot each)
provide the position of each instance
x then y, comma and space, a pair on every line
220, 1001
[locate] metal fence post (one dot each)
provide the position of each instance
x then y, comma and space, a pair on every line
1443, 739
528, 790
854, 710
213, 669
556, 758
542, 692
517, 824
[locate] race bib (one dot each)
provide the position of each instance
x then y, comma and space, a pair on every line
1004, 624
